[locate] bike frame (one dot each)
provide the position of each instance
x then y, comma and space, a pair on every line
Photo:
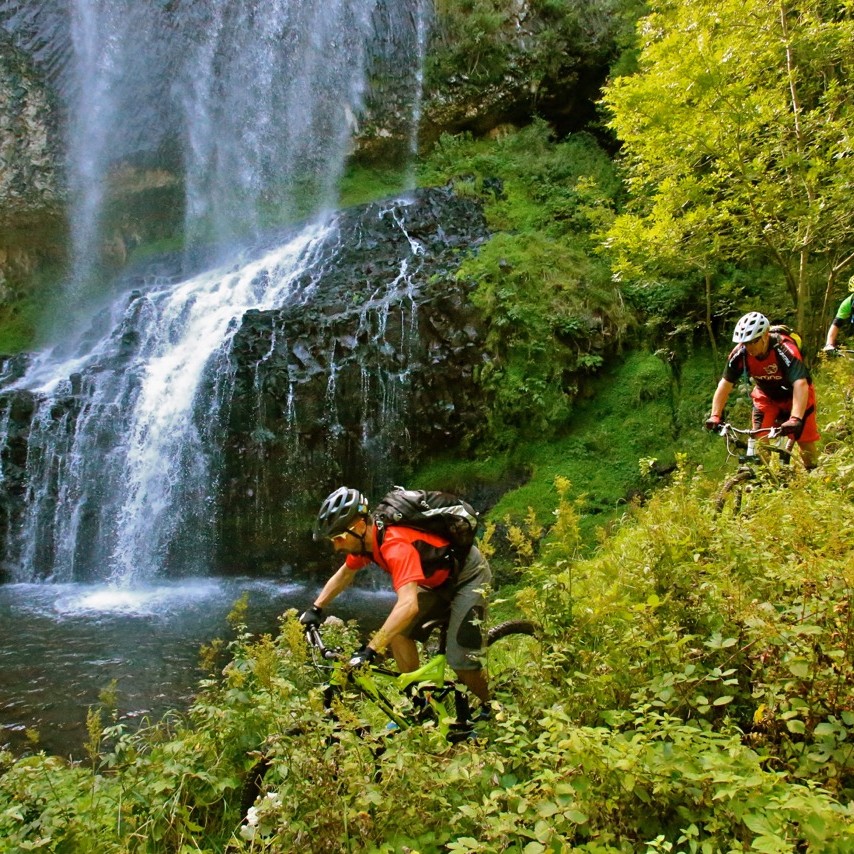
426, 687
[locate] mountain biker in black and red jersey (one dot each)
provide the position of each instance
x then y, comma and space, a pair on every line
844, 317
426, 589
783, 393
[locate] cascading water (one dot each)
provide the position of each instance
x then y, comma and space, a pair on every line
189, 434
121, 444
270, 92
119, 469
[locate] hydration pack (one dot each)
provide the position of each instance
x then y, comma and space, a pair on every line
785, 332
439, 513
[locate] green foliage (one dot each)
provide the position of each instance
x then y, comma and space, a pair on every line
552, 310
471, 33
564, 187
479, 43
363, 184
18, 326
647, 406
735, 131
691, 693
541, 320
21, 315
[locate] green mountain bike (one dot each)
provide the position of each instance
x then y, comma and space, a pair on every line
428, 696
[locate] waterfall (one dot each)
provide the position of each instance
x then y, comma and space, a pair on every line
121, 447
258, 97
118, 472
269, 95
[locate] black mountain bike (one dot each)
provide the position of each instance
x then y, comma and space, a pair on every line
424, 697
759, 461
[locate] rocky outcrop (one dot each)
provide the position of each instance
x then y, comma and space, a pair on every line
356, 385
31, 197
365, 368
29, 147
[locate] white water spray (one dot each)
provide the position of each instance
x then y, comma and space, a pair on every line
115, 486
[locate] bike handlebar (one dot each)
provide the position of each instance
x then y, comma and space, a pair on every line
726, 429
313, 638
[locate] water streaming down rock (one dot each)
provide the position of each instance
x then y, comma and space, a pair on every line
117, 470
191, 431
191, 421
358, 383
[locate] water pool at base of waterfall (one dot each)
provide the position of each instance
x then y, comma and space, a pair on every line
61, 645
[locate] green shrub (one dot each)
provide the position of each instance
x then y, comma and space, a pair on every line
692, 694
553, 312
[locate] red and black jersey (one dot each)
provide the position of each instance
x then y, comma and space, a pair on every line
776, 373
408, 555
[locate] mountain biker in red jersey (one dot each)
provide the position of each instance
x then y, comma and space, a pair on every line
783, 393
426, 587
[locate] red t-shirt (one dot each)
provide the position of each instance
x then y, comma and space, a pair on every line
775, 373
401, 556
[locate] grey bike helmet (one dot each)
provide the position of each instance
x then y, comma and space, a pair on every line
750, 327
340, 509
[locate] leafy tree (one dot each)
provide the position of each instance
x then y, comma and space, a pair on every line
736, 133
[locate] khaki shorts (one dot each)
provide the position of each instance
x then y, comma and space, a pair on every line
464, 599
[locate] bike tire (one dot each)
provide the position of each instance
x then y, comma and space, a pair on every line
729, 497
510, 627
253, 783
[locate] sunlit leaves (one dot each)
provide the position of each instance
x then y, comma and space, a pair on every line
736, 132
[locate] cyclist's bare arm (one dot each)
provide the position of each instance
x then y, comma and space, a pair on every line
832, 334
800, 396
402, 614
337, 584
721, 396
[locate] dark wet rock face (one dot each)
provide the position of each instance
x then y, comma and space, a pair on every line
357, 382
364, 369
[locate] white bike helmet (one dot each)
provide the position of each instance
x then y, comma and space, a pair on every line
750, 327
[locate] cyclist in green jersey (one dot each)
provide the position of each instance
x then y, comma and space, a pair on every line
844, 317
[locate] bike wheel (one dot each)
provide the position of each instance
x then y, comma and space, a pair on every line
513, 654
729, 497
253, 784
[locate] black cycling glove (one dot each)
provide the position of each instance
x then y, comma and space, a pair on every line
312, 616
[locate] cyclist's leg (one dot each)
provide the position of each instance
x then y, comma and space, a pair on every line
475, 681
431, 606
809, 454
465, 626
405, 652
808, 441
767, 413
